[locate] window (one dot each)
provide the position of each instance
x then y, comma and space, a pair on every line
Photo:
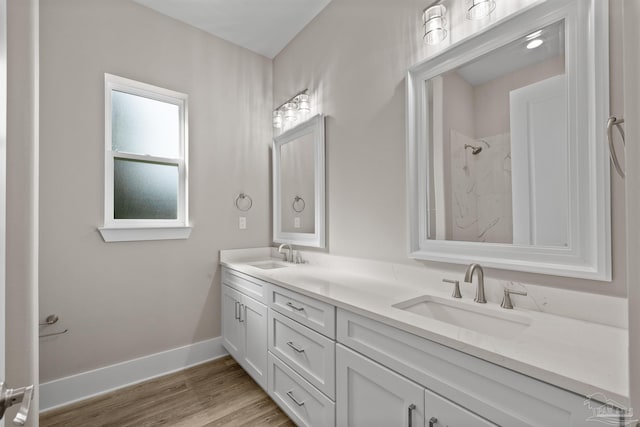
145, 162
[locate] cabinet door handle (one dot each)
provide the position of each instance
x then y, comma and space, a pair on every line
433, 421
245, 313
295, 347
410, 414
290, 304
292, 397
237, 315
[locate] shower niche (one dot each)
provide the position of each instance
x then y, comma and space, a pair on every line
506, 157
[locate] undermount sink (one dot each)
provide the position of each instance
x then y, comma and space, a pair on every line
269, 265
475, 317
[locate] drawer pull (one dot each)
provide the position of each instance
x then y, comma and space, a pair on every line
410, 413
295, 347
237, 314
433, 421
296, 401
290, 304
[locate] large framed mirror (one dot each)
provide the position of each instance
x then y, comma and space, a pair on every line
298, 185
507, 165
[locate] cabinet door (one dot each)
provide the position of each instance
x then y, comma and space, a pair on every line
232, 329
441, 412
368, 394
254, 320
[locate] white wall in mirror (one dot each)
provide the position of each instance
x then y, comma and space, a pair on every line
298, 184
506, 163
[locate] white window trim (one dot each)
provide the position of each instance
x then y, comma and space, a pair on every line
118, 230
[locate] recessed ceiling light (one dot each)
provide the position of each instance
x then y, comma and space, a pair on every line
534, 35
534, 44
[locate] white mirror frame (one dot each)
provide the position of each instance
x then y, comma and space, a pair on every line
314, 126
588, 254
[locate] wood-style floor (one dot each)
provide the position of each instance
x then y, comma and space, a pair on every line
217, 393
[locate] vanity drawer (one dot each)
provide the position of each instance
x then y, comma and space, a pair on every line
250, 286
310, 354
300, 400
317, 315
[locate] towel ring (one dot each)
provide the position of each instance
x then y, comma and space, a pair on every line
613, 121
296, 202
243, 197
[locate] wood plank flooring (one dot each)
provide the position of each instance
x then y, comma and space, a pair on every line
214, 394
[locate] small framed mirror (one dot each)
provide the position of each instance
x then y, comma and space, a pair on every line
506, 156
298, 185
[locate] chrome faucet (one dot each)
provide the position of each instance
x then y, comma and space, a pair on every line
289, 257
468, 277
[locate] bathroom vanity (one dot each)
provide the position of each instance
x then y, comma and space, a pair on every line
333, 345
506, 167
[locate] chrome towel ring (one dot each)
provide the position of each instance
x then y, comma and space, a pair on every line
242, 197
50, 320
613, 121
296, 205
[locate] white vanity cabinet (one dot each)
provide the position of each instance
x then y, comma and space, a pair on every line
460, 390
302, 357
327, 366
244, 323
368, 394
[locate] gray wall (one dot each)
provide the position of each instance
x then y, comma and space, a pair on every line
125, 300
21, 344
354, 57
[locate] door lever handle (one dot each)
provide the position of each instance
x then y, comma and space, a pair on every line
13, 396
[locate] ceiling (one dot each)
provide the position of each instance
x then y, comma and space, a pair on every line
264, 27
515, 56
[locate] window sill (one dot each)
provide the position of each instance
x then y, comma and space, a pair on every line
144, 233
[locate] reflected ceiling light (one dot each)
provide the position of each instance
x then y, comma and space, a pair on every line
534, 35
478, 9
534, 44
434, 24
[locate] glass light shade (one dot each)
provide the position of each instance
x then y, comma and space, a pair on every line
434, 24
277, 119
303, 103
290, 111
478, 9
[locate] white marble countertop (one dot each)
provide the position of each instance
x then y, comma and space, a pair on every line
577, 355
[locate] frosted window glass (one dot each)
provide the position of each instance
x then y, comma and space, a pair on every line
144, 190
141, 125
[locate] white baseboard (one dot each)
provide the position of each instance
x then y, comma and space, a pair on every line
64, 391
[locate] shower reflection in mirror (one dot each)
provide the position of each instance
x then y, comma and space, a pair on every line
487, 169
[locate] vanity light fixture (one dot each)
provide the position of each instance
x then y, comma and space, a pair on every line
435, 24
478, 9
277, 119
303, 103
290, 112
294, 109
